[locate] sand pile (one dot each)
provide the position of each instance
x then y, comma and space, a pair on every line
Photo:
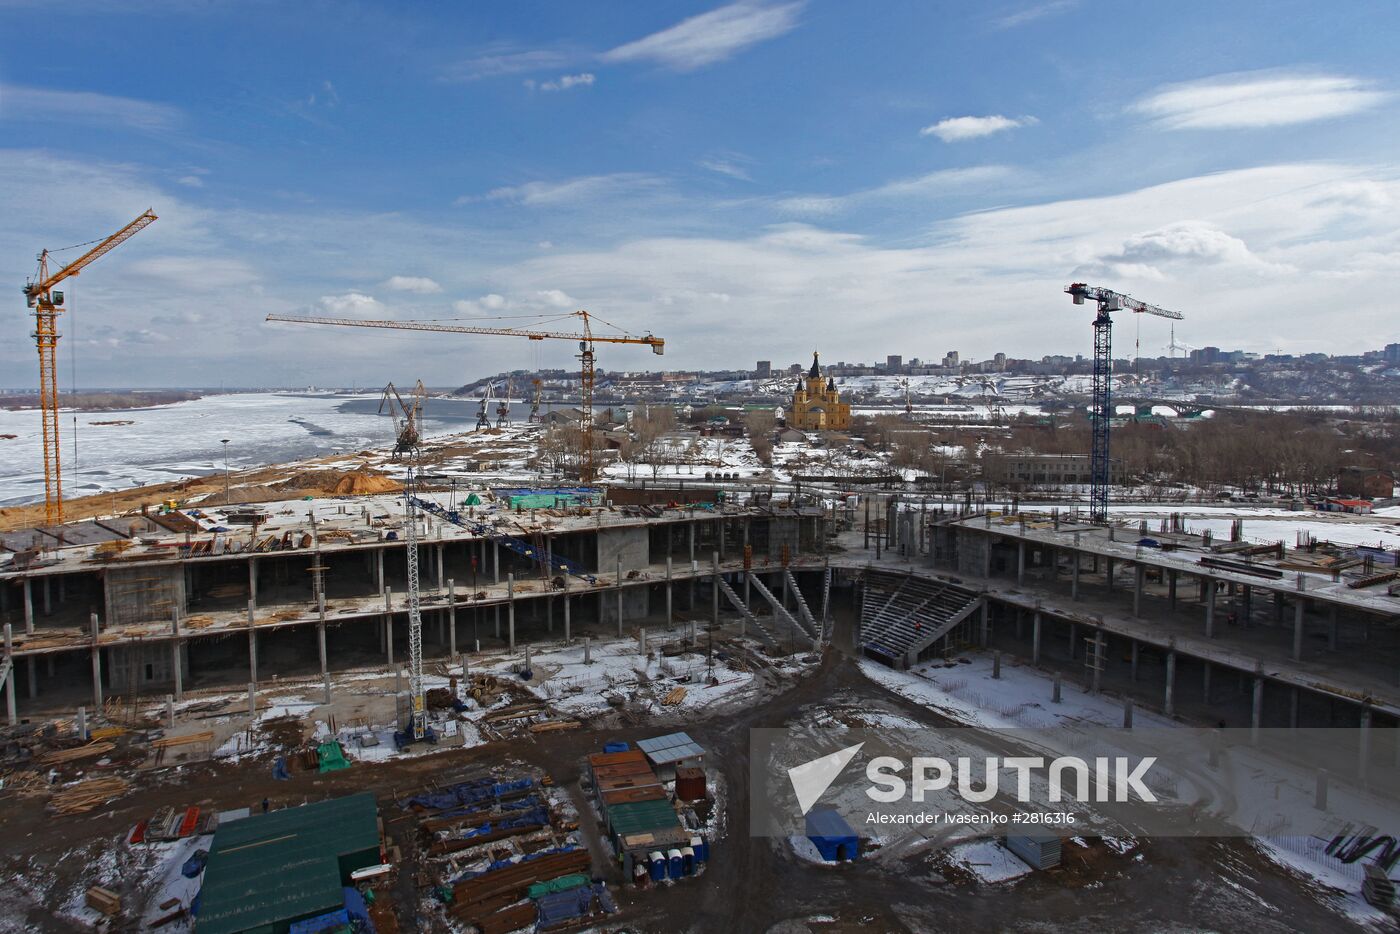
342, 482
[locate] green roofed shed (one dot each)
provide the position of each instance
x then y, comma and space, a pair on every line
267, 871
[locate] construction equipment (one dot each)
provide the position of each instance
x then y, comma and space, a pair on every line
483, 420
1101, 411
416, 730
503, 408
40, 295
408, 419
535, 415
586, 339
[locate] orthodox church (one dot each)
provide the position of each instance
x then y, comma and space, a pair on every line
816, 405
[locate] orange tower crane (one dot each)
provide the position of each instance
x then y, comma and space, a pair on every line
40, 295
586, 339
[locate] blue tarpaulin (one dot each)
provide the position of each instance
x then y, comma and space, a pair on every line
833, 837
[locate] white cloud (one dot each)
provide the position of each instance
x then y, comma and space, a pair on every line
562, 83
502, 60
570, 191
1152, 253
1245, 254
932, 184
190, 181
726, 166
49, 106
1258, 99
352, 305
1032, 13
418, 285
956, 129
195, 273
710, 37
555, 298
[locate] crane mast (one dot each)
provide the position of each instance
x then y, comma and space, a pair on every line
418, 713
47, 303
1101, 409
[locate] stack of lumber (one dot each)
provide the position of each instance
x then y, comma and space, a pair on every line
64, 756
515, 711
203, 736
673, 697
553, 726
26, 784
106, 901
84, 796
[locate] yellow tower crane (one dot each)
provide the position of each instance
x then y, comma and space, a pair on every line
586, 339
40, 295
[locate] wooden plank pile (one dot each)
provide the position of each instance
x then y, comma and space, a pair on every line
86, 795
76, 753
103, 900
674, 697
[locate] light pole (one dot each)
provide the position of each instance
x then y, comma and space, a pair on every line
224, 442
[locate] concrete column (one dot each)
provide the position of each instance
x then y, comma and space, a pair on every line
568, 635
1363, 752
1108, 575
33, 679
252, 700
1297, 628
321, 646
498, 620
1210, 607
691, 529
987, 554
1169, 700
388, 625
1035, 639
1127, 713
48, 596
1097, 678
451, 618
379, 570
1293, 708
1133, 663
1205, 683
253, 582
714, 595
587, 650
81, 723
1020, 561
670, 614
496, 560
996, 664
439, 567
176, 658
253, 655
1139, 578
510, 610
1256, 718
28, 607
1074, 579
10, 708
96, 666
1073, 641
986, 631
1171, 589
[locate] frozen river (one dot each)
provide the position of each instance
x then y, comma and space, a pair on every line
171, 442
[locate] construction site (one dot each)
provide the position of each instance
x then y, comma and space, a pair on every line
388, 692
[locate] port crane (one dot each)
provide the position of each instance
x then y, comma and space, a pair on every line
408, 419
1101, 412
585, 337
483, 420
47, 303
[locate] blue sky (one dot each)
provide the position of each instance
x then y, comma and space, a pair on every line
752, 180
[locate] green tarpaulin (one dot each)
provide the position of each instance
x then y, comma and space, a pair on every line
332, 756
473, 500
562, 884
